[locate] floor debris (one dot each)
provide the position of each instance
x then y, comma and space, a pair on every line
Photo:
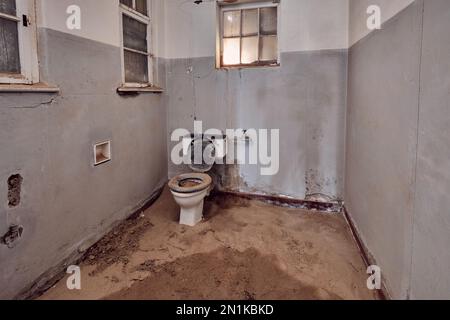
244, 249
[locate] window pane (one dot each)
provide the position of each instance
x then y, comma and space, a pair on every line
141, 6
8, 7
232, 23
269, 48
136, 67
250, 22
134, 34
231, 51
128, 3
268, 20
249, 50
9, 47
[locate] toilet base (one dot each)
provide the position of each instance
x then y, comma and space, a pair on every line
192, 216
191, 204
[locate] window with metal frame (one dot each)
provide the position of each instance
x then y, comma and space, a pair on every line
18, 48
137, 62
249, 35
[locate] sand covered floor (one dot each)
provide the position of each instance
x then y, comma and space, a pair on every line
244, 249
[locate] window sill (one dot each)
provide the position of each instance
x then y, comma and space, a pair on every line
135, 90
28, 88
249, 66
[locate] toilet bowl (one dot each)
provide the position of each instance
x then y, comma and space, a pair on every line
189, 191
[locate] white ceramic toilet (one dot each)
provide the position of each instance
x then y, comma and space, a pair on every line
190, 190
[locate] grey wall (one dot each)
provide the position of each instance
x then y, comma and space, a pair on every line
381, 142
305, 98
68, 204
397, 151
431, 254
396, 174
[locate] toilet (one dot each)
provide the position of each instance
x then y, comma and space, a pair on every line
190, 189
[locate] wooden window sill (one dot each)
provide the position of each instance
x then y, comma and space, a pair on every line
249, 66
28, 88
135, 90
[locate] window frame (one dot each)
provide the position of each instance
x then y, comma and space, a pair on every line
221, 9
29, 67
136, 15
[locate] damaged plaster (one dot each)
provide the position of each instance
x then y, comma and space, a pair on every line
14, 190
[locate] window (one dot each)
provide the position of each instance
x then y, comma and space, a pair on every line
137, 64
18, 54
249, 35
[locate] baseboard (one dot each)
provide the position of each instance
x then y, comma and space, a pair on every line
327, 207
368, 258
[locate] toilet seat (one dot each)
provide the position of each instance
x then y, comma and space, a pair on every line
190, 183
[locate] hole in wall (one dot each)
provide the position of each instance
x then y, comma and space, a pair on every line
102, 153
14, 190
12, 236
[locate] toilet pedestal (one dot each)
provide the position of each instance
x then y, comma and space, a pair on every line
191, 204
191, 216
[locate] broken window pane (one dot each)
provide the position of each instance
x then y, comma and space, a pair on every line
134, 34
250, 22
249, 50
136, 67
128, 3
231, 51
141, 6
232, 24
8, 7
9, 47
268, 20
269, 48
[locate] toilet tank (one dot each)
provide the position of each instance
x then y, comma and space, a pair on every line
203, 151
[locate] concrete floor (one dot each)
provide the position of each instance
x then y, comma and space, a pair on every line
243, 250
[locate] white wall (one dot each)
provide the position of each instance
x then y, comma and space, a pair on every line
182, 29
306, 25
99, 20
358, 15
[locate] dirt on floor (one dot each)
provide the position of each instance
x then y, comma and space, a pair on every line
118, 245
243, 249
247, 275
